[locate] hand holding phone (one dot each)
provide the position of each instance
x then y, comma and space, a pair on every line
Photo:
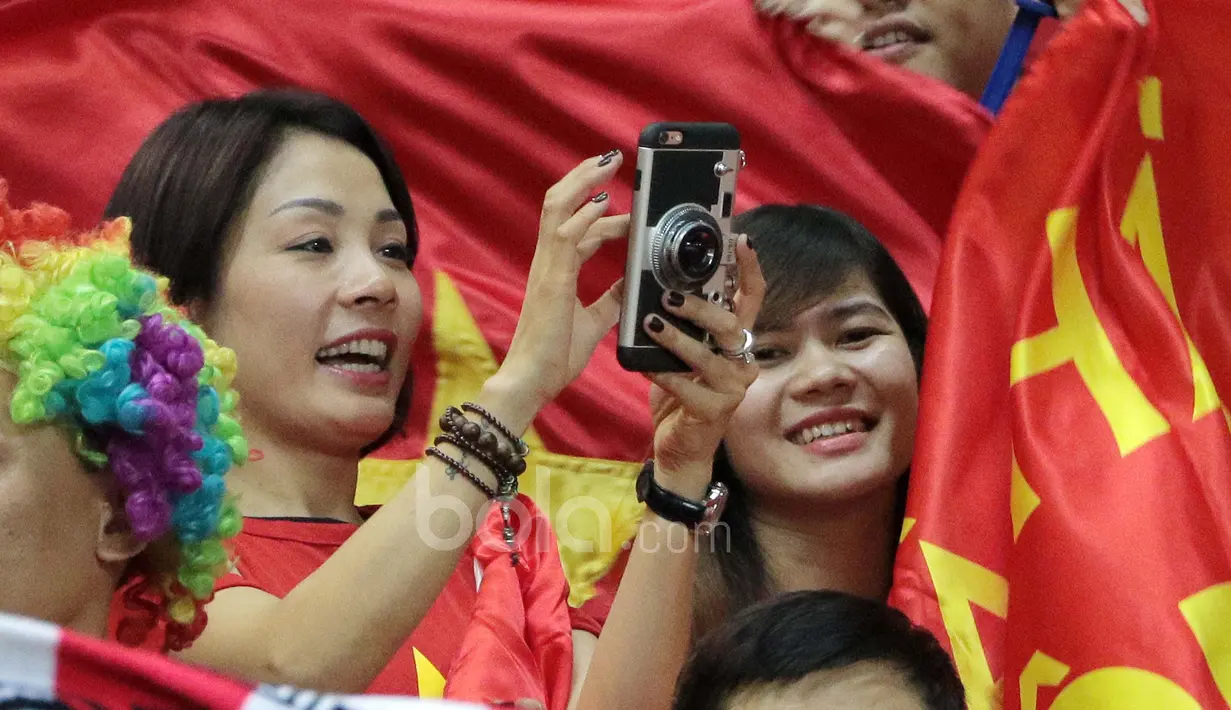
683, 196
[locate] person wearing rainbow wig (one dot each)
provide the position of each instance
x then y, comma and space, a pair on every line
116, 440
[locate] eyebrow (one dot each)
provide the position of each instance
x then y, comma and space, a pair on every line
331, 208
839, 312
842, 311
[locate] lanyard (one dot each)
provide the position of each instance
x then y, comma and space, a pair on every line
1009, 66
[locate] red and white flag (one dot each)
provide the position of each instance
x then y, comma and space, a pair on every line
45, 666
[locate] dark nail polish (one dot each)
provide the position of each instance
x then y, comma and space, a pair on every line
748, 241
607, 157
675, 299
656, 324
600, 197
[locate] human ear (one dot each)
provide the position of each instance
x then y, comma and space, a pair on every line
116, 542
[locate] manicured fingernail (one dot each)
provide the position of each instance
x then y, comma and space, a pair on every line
600, 197
607, 157
656, 324
748, 241
675, 299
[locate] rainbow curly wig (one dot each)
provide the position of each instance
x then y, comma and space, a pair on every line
144, 394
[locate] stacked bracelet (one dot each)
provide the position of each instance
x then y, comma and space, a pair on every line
522, 448
506, 460
508, 452
456, 466
505, 455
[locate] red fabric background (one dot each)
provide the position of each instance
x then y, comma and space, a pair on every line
487, 103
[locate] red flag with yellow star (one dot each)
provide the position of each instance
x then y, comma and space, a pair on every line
486, 103
1069, 530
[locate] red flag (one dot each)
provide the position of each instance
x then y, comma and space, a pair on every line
519, 642
1071, 505
487, 103
45, 666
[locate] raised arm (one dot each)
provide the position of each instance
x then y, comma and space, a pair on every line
649, 630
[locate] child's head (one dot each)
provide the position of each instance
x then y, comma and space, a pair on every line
819, 650
116, 438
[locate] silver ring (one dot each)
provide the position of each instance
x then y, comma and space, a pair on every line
745, 351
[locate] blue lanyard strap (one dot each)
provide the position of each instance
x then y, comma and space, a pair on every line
1009, 66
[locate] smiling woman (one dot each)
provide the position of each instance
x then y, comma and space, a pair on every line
817, 453
813, 452
317, 265
285, 226
272, 215
364, 356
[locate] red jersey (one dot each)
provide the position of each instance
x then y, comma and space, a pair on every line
276, 554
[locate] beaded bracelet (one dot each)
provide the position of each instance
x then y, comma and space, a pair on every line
522, 448
483, 456
505, 457
455, 467
511, 461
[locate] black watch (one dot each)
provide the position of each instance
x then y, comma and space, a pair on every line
676, 508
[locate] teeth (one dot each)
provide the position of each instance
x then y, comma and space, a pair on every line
826, 430
358, 367
887, 39
372, 348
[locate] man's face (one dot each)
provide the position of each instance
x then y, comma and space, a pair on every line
51, 512
956, 41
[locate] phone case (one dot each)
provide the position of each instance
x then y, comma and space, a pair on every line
684, 193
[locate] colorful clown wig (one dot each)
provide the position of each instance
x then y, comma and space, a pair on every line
143, 393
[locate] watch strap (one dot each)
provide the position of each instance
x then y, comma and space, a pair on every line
665, 504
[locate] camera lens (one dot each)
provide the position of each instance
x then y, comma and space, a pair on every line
687, 249
698, 252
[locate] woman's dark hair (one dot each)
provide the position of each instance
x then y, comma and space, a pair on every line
196, 173
794, 635
806, 253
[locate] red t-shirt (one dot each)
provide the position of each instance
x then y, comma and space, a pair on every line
276, 554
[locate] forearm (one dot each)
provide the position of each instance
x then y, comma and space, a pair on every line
340, 627
646, 640
648, 633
